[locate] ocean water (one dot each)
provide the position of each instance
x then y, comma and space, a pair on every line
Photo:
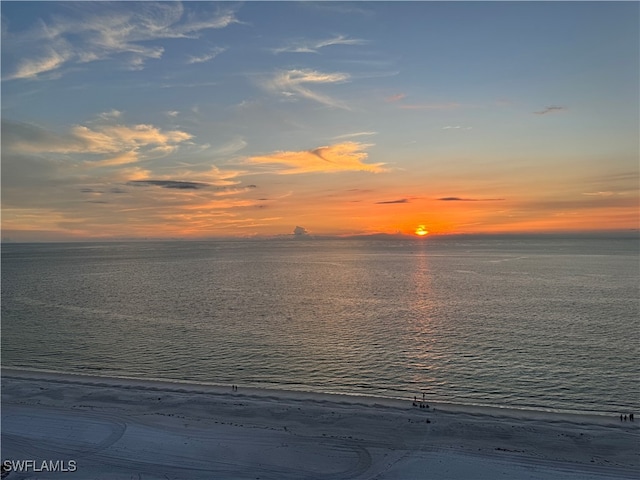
544, 323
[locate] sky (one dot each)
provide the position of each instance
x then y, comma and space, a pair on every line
203, 119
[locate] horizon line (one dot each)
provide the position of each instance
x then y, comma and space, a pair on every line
626, 233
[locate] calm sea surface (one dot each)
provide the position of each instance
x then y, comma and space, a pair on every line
518, 322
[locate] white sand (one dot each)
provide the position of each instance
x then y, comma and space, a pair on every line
124, 429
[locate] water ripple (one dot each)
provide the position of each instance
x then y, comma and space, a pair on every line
526, 325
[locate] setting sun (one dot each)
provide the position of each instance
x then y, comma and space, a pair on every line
421, 230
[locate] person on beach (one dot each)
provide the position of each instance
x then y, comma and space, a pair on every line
631, 417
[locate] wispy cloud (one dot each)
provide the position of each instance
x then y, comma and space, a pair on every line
402, 200
395, 98
112, 144
115, 138
460, 199
234, 145
120, 159
207, 56
293, 83
97, 31
551, 109
111, 114
356, 134
341, 157
179, 185
189, 185
313, 46
47, 60
455, 127
212, 175
600, 194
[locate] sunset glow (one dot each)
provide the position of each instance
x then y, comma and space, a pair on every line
421, 230
199, 120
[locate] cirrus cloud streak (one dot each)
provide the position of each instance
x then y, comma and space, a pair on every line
315, 46
92, 32
293, 83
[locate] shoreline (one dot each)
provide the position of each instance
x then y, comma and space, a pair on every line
115, 428
355, 398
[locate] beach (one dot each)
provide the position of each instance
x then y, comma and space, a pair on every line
118, 428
